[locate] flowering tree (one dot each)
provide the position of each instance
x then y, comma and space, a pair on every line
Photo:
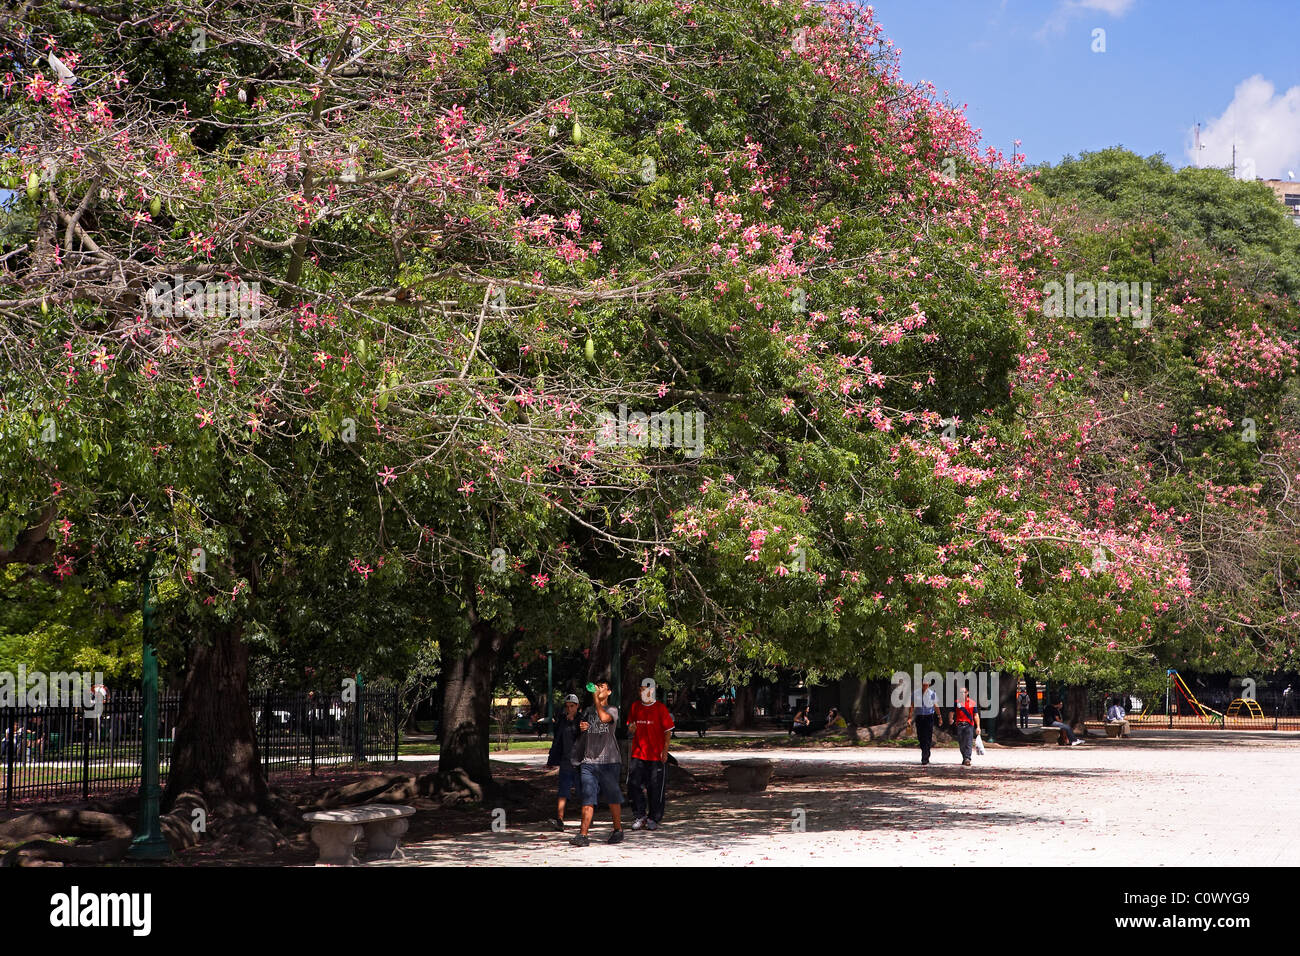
694, 316
277, 305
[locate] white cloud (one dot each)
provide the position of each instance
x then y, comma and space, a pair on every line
1264, 124
1116, 8
1068, 10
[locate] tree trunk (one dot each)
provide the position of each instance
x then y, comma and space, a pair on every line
1007, 724
215, 752
1076, 707
600, 651
742, 710
868, 707
463, 735
34, 545
639, 659
873, 704
684, 702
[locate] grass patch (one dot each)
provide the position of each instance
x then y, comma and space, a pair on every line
431, 749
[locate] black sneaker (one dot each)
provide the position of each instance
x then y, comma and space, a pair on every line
616, 836
580, 840
557, 824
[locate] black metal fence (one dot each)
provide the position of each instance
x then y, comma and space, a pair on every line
60, 751
307, 729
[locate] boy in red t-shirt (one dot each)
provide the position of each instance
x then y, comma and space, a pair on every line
649, 724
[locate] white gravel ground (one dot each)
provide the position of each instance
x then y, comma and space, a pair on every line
1167, 799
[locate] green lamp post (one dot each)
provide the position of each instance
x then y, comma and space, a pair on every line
149, 842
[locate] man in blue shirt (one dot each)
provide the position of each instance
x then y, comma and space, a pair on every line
921, 710
1116, 715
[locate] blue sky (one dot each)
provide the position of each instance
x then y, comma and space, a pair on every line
1026, 70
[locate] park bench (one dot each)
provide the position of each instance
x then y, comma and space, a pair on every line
700, 727
1113, 728
336, 832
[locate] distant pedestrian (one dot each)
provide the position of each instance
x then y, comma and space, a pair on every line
11, 743
650, 724
1022, 705
966, 721
922, 712
1288, 701
563, 735
599, 763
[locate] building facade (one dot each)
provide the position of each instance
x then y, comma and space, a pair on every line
1288, 193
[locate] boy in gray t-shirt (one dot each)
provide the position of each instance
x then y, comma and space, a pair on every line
601, 764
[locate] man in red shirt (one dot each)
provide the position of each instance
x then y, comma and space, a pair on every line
649, 723
966, 720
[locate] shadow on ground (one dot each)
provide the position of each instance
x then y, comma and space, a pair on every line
800, 802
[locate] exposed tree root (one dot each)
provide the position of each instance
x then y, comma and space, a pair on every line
35, 836
249, 832
897, 726
454, 786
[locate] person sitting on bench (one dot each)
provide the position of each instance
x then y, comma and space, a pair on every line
1052, 718
1115, 715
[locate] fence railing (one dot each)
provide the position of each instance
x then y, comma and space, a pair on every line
59, 751
1270, 711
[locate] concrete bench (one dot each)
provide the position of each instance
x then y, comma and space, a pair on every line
336, 832
750, 775
1115, 728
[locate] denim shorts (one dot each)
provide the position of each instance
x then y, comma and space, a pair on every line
600, 783
568, 778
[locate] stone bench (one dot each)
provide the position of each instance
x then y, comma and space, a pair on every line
750, 775
336, 832
1114, 728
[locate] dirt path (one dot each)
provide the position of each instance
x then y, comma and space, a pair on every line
1170, 801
